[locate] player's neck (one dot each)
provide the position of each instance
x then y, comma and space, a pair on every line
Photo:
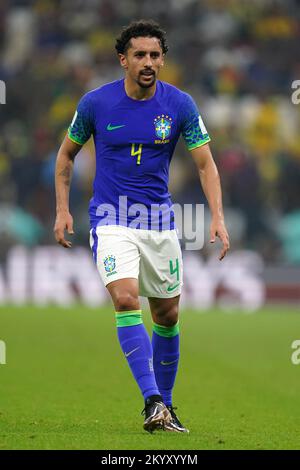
134, 91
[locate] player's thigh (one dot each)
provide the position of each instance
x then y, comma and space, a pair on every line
161, 265
115, 253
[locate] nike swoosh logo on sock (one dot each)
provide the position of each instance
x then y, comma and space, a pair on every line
163, 363
130, 352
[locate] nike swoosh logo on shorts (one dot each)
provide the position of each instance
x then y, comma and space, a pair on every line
171, 288
130, 352
112, 128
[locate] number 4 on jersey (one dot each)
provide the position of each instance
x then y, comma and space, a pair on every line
137, 153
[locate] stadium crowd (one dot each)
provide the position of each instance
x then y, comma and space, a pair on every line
238, 60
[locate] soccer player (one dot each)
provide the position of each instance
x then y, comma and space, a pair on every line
136, 122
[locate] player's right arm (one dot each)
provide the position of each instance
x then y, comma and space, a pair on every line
79, 132
63, 177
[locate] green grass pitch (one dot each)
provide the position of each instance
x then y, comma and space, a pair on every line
66, 385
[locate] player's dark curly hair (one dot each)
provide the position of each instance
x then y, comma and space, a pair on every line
141, 28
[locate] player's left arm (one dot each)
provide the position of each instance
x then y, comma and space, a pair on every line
210, 181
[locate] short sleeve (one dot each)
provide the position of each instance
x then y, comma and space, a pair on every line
192, 127
81, 127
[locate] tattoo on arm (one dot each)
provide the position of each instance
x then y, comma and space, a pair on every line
66, 174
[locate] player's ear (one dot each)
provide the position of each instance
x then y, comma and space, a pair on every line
123, 61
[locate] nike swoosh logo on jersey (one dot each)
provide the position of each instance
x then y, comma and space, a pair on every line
130, 352
163, 363
171, 288
112, 128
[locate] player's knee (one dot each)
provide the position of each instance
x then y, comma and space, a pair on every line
167, 317
171, 318
125, 302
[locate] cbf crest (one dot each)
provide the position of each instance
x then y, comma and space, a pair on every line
163, 126
110, 264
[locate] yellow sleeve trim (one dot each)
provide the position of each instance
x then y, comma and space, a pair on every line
200, 144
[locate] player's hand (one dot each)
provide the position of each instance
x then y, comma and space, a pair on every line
64, 221
217, 228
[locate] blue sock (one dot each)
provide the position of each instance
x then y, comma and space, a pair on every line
136, 345
165, 345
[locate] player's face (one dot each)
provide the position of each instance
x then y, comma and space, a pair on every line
143, 60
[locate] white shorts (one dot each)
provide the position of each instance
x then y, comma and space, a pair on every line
152, 257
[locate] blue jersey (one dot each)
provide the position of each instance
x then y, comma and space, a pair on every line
134, 142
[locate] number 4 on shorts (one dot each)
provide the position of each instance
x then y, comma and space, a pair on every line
174, 270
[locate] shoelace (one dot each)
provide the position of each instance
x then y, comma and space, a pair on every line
173, 414
171, 409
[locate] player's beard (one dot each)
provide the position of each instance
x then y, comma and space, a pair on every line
148, 82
